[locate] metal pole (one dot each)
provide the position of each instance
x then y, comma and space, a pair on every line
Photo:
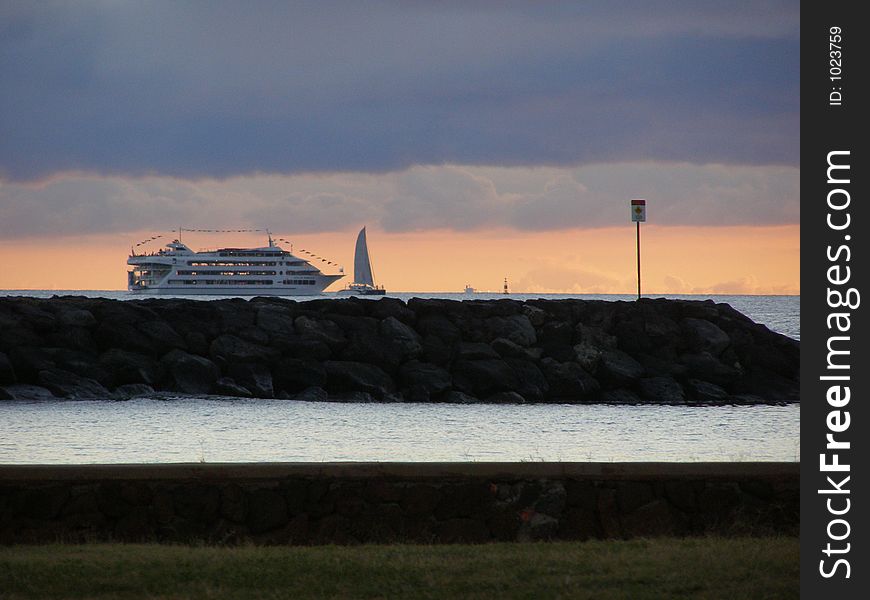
638, 260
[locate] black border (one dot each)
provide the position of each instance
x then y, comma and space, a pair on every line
826, 128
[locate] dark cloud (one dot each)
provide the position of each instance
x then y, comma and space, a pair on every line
217, 89
452, 197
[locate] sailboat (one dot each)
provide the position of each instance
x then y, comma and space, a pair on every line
363, 279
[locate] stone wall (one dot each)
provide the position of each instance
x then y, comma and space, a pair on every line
413, 502
360, 350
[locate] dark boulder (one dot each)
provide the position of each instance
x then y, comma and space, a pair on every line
75, 338
588, 357
475, 351
439, 325
568, 381
40, 320
116, 333
228, 349
473, 329
358, 397
125, 311
505, 398
254, 335
773, 387
661, 390
402, 337
704, 392
321, 330
436, 350
14, 335
619, 396
132, 390
531, 383
275, 320
434, 306
69, 385
312, 394
618, 369
556, 339
296, 374
349, 376
704, 336
197, 342
707, 367
25, 391
7, 371
226, 386
427, 376
484, 377
189, 373
368, 347
385, 308
703, 309
594, 335
161, 336
84, 364
660, 328
537, 316
29, 361
302, 348
130, 367
656, 365
234, 315
455, 397
255, 377
516, 328
776, 353
507, 349
632, 336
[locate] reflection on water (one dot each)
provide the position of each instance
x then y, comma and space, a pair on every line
237, 430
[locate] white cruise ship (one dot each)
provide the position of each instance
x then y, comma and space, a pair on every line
268, 271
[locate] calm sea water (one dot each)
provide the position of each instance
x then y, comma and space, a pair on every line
233, 430
213, 429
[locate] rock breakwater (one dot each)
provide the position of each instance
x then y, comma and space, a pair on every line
653, 351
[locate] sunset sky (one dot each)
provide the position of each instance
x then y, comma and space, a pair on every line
476, 141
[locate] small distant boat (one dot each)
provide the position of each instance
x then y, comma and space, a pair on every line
469, 289
363, 278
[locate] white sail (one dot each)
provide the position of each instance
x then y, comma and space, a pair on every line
362, 265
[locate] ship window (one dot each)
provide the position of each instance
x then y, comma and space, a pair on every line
299, 282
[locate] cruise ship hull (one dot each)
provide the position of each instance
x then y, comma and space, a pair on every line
228, 291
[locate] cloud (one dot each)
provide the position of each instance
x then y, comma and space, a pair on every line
677, 285
567, 280
452, 197
219, 90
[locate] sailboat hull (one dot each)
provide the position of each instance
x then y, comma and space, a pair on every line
352, 290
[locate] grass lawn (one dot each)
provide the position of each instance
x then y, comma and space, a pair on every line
731, 568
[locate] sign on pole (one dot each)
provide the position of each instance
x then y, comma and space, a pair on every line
638, 215
638, 211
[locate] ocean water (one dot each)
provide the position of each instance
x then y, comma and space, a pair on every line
172, 428
188, 429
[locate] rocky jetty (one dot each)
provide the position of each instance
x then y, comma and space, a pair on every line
653, 351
